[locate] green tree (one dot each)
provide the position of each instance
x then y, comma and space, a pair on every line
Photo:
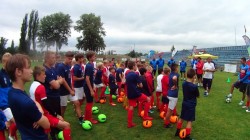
92, 33
12, 48
35, 29
3, 42
30, 28
172, 48
54, 30
22, 41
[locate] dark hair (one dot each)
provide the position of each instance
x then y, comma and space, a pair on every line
166, 70
131, 64
90, 54
142, 71
122, 65
244, 59
174, 67
17, 61
69, 54
111, 68
190, 73
37, 71
79, 56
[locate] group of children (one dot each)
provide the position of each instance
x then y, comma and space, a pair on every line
75, 80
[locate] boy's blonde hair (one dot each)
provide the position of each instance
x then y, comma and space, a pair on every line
99, 65
166, 70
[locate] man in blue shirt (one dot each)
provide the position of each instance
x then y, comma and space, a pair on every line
89, 86
160, 64
28, 115
183, 66
170, 62
153, 64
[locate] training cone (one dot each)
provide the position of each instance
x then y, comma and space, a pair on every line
107, 90
228, 80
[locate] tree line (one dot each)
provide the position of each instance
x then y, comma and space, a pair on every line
54, 30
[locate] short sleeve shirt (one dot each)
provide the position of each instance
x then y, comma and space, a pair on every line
132, 80
51, 75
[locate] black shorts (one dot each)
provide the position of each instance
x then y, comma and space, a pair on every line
182, 71
207, 83
89, 98
154, 71
199, 76
241, 86
113, 91
248, 89
187, 112
164, 100
54, 104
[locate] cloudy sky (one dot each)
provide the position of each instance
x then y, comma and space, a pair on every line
143, 24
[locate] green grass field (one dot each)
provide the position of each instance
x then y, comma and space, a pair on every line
215, 119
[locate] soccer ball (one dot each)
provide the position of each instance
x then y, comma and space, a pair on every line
86, 125
162, 114
60, 135
228, 100
142, 113
120, 100
183, 134
102, 118
113, 97
95, 109
173, 119
147, 124
103, 101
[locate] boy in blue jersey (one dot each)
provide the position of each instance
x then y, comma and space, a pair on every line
160, 64
134, 95
66, 92
78, 80
190, 94
112, 85
183, 66
98, 83
172, 94
119, 77
29, 118
240, 85
3, 125
170, 62
153, 64
89, 86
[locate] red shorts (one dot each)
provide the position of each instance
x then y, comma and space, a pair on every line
52, 120
158, 93
119, 84
133, 102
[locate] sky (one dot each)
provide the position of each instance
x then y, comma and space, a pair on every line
142, 25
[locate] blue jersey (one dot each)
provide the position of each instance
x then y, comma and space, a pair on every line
78, 72
4, 79
4, 98
25, 113
51, 75
98, 77
63, 70
153, 63
190, 93
160, 63
89, 71
173, 93
112, 82
132, 80
118, 72
171, 62
193, 62
242, 73
183, 66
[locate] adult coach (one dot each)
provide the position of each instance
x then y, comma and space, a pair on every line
153, 64
171, 62
28, 115
160, 64
183, 66
209, 69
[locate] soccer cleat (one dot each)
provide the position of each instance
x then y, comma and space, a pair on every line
205, 94
177, 132
131, 125
229, 95
244, 107
168, 126
150, 111
112, 104
81, 121
241, 103
154, 106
